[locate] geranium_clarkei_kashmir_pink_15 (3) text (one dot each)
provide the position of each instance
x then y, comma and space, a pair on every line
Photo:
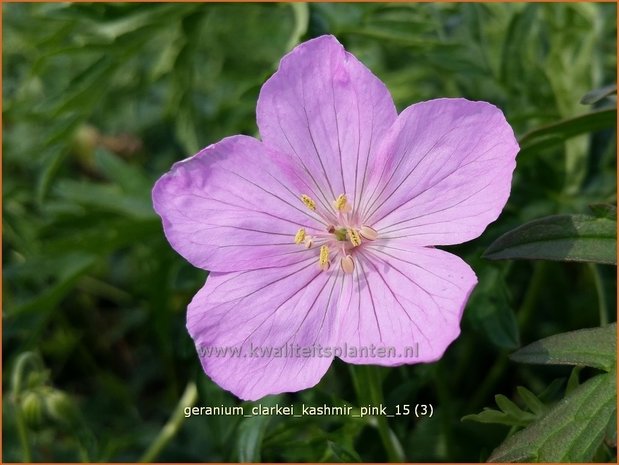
322, 232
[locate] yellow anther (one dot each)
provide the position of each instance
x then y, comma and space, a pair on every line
341, 203
353, 236
323, 261
368, 233
347, 264
309, 203
299, 237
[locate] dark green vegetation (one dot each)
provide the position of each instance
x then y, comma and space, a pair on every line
100, 100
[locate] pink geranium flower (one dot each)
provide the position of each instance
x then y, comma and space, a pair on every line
320, 236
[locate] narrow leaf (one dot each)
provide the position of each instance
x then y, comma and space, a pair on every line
595, 348
557, 133
578, 238
598, 94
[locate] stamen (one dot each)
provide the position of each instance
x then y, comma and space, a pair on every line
347, 264
354, 237
323, 261
368, 233
341, 204
299, 236
308, 242
309, 203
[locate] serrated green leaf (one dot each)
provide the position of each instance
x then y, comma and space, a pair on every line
496, 417
510, 414
508, 406
531, 401
595, 348
598, 94
560, 237
572, 431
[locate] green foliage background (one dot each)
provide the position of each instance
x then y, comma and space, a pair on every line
100, 99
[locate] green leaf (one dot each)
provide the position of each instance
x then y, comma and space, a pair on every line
129, 177
106, 197
496, 417
510, 414
604, 210
572, 431
75, 266
490, 309
343, 453
594, 347
509, 407
251, 432
557, 133
578, 238
598, 94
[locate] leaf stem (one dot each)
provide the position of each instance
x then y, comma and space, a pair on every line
188, 399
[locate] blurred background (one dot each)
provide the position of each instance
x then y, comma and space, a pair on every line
100, 99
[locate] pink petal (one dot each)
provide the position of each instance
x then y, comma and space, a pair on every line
329, 112
284, 307
447, 170
229, 208
407, 300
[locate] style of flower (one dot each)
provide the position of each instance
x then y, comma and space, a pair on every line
321, 234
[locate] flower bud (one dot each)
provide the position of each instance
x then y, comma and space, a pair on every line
60, 407
32, 409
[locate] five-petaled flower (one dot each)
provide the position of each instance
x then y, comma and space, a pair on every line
322, 232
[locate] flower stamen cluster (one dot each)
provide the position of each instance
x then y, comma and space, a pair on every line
342, 238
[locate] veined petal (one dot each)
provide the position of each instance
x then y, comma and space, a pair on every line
328, 111
405, 299
256, 313
447, 170
228, 208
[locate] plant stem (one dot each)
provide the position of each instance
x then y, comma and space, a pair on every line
23, 435
370, 376
17, 378
534, 289
188, 399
